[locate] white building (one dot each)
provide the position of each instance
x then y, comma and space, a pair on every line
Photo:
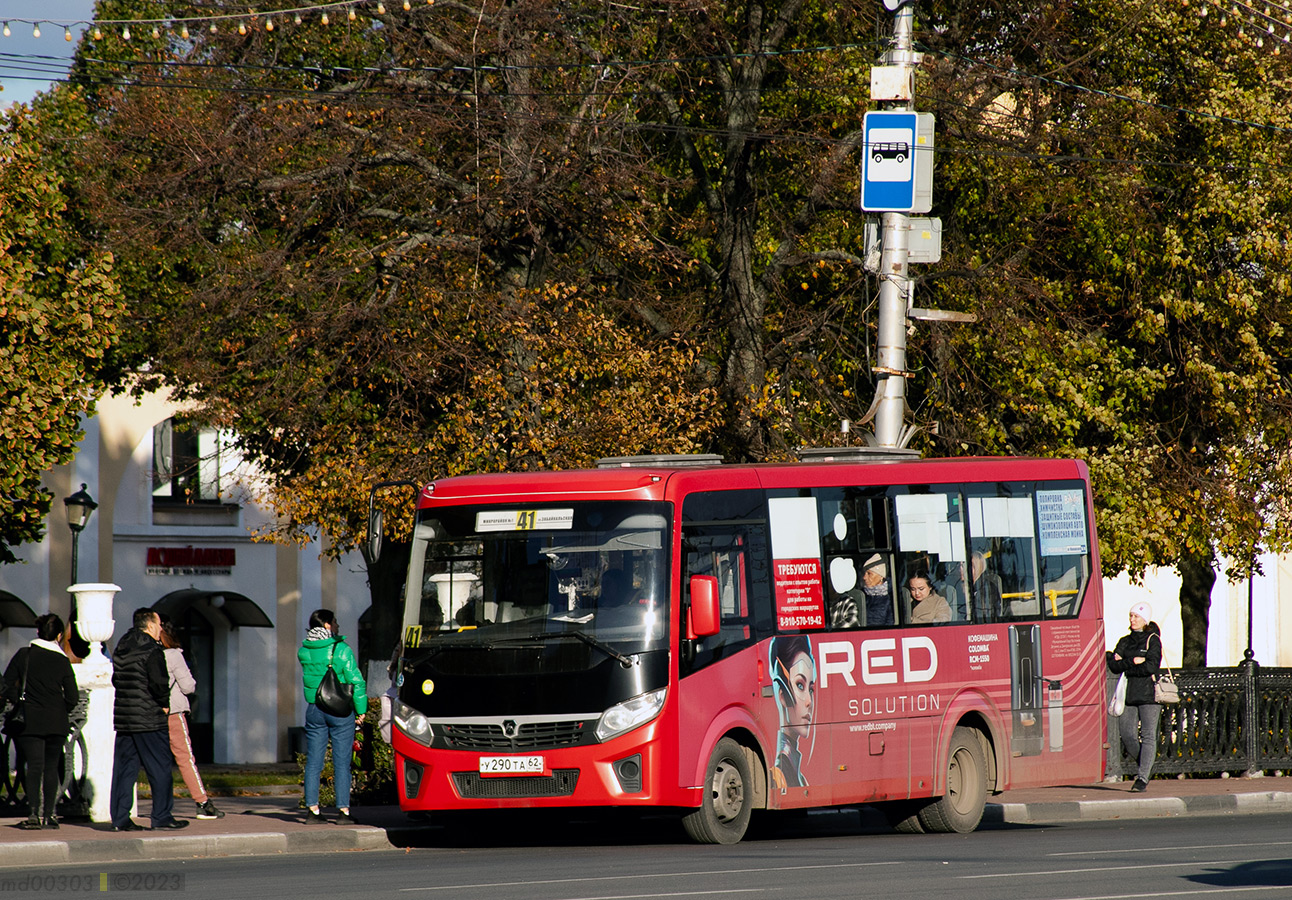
1227, 627
243, 605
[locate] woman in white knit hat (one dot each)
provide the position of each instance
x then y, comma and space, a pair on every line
1138, 656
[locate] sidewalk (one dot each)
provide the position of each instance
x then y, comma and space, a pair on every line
271, 823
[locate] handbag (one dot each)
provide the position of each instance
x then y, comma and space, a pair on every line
1165, 690
1117, 705
15, 717
333, 697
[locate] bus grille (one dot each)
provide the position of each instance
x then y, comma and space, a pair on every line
528, 736
559, 784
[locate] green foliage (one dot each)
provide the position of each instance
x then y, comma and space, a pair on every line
59, 315
1126, 249
454, 239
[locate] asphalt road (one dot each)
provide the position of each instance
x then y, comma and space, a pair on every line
832, 856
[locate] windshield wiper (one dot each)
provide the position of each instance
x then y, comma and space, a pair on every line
625, 661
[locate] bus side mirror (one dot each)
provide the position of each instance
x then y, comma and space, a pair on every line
705, 615
374, 532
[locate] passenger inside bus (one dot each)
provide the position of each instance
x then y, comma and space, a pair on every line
879, 597
927, 606
987, 602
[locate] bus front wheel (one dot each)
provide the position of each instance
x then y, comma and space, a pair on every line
960, 808
724, 811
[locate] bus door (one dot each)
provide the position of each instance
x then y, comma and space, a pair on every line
1025, 689
723, 536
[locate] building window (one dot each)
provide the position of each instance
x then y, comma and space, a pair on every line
191, 464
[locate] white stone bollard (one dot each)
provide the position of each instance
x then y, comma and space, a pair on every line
95, 623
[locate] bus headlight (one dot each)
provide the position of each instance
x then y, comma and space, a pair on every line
413, 724
628, 715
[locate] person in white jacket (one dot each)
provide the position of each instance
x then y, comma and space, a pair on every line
182, 684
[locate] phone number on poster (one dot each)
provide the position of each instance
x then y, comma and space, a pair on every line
801, 621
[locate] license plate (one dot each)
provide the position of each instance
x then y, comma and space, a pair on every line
512, 765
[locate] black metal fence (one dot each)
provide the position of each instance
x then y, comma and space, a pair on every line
1228, 720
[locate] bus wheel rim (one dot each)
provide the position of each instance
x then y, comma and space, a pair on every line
728, 791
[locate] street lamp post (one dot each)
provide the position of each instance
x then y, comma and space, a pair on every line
79, 507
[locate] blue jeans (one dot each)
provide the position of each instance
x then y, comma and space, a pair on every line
1138, 727
319, 728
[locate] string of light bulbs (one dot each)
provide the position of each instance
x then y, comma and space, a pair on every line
1268, 17
180, 25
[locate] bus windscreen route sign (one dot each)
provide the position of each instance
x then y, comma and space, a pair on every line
525, 520
796, 564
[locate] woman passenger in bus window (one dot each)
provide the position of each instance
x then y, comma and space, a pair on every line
927, 607
794, 674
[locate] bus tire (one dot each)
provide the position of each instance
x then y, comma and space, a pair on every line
904, 815
960, 808
723, 816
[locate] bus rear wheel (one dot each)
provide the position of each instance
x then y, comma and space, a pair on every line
724, 811
960, 808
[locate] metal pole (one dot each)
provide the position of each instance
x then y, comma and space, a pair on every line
894, 285
76, 540
1249, 654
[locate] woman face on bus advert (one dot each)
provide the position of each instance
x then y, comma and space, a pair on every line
802, 682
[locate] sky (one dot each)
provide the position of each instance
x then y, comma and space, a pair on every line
27, 63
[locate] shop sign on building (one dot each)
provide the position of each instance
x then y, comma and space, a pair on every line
191, 560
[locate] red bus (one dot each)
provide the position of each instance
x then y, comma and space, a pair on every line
674, 632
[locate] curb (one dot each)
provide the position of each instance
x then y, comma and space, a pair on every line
1138, 808
44, 853
35, 854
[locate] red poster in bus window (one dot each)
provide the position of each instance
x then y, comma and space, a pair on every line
796, 564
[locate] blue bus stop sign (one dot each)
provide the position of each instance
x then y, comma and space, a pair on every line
889, 170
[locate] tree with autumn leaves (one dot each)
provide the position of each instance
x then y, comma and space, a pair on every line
399, 249
60, 310
466, 237
1119, 219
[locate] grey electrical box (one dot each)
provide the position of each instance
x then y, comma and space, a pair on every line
924, 243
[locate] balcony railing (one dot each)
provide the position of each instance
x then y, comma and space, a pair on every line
1235, 720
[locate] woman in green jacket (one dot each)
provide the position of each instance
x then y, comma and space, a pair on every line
322, 644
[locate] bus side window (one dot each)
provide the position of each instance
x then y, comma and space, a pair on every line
931, 545
1003, 527
1064, 546
854, 535
721, 537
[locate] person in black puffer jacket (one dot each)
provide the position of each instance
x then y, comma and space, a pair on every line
1138, 655
40, 678
140, 717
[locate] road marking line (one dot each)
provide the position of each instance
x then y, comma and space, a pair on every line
1163, 849
679, 894
1172, 865
1178, 893
498, 884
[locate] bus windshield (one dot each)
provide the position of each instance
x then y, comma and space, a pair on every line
596, 572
